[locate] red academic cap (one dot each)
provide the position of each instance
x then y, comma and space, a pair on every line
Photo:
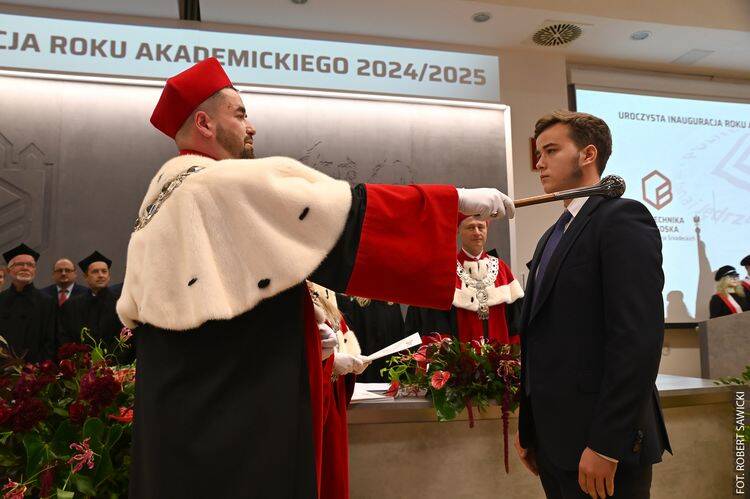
185, 92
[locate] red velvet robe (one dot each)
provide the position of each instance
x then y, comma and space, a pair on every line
235, 408
470, 326
387, 239
335, 452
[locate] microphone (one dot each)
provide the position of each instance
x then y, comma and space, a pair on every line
611, 186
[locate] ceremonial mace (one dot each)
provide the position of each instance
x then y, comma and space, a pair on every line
610, 186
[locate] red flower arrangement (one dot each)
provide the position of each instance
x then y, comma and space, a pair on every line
65, 425
460, 376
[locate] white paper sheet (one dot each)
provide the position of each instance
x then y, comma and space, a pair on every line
374, 387
408, 342
361, 394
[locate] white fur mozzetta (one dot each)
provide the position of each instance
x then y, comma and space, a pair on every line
233, 234
348, 343
466, 297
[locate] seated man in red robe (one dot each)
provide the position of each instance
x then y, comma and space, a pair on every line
229, 393
487, 299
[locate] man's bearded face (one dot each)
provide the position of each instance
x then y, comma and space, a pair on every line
234, 132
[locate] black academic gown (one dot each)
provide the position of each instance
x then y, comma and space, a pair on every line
228, 409
718, 308
96, 313
376, 325
27, 322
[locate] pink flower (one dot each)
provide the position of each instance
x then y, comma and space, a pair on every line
67, 368
126, 375
420, 355
99, 388
439, 379
70, 349
14, 490
77, 412
46, 481
85, 456
125, 334
477, 345
125, 415
48, 367
393, 389
27, 413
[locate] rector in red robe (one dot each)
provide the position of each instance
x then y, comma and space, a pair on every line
229, 378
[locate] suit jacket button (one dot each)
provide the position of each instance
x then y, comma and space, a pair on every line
638, 442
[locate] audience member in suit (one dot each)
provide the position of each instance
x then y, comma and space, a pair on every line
95, 309
592, 328
27, 316
65, 287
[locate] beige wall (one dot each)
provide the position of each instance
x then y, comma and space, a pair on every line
532, 84
681, 354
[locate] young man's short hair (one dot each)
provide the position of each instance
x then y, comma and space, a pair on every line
585, 129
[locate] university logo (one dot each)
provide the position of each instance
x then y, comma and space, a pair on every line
657, 189
27, 180
734, 167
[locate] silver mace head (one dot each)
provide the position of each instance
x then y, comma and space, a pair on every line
613, 186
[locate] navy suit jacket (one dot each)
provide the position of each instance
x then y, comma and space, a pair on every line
52, 291
591, 341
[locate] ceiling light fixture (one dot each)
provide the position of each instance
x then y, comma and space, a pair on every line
640, 35
299, 2
481, 17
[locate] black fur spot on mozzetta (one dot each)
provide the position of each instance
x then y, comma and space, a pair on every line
304, 213
193, 281
263, 283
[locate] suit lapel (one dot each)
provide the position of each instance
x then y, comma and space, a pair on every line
529, 291
563, 248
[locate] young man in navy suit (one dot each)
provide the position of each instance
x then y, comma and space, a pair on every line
592, 328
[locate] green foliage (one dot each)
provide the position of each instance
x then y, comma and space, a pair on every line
57, 415
743, 379
458, 376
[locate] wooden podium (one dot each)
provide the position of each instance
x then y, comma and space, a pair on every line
725, 345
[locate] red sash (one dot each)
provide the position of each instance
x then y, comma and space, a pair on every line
733, 306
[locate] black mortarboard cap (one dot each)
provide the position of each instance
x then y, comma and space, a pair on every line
94, 257
725, 271
21, 249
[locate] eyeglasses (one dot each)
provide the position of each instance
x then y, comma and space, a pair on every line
30, 265
64, 271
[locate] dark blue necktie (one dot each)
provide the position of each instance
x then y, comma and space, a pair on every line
549, 250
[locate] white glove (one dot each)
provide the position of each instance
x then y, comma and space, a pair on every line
344, 363
485, 203
328, 340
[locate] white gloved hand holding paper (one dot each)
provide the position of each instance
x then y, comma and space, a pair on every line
344, 363
485, 203
328, 340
